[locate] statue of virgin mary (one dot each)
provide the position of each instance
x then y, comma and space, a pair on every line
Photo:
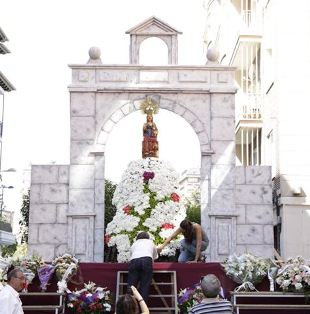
150, 131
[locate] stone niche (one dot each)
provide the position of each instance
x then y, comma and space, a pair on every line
67, 202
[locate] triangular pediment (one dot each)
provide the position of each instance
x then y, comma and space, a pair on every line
3, 37
153, 25
5, 84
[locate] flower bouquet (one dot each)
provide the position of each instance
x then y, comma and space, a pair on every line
45, 273
65, 266
294, 275
63, 263
90, 300
189, 297
29, 266
246, 270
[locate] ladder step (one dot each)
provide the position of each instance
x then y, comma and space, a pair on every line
168, 283
41, 307
41, 294
152, 284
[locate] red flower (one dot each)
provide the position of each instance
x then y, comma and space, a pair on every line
127, 210
167, 226
175, 197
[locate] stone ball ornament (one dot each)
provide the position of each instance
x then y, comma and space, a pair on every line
213, 55
94, 53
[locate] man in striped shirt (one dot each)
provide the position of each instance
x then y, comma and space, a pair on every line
212, 303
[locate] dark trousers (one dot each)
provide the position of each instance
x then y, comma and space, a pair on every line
141, 271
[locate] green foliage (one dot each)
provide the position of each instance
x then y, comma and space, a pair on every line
8, 250
193, 208
110, 209
24, 221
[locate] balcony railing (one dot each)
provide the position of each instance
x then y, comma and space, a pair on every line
251, 21
249, 106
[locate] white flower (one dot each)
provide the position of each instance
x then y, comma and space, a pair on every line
298, 278
107, 307
62, 286
298, 286
89, 286
246, 267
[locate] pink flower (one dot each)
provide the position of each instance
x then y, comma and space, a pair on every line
127, 210
175, 197
167, 226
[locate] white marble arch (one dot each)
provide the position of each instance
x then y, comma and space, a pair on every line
67, 201
189, 114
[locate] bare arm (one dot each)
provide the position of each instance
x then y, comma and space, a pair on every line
174, 235
143, 307
198, 241
155, 253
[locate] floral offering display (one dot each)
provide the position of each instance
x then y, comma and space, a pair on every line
65, 266
28, 265
45, 273
189, 297
294, 275
4, 266
146, 200
90, 300
246, 270
32, 263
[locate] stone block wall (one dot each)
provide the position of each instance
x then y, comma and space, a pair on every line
254, 210
48, 210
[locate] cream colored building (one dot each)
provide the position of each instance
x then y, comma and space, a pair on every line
6, 236
189, 182
268, 42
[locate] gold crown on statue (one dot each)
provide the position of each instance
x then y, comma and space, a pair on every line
149, 105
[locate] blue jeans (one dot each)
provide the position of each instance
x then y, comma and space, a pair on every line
141, 271
188, 250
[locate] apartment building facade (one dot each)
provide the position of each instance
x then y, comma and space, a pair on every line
6, 236
270, 49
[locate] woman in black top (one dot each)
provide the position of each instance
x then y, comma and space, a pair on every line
195, 241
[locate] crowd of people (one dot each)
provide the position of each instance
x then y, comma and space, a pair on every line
140, 273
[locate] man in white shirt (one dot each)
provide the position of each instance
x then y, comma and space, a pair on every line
143, 252
10, 302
